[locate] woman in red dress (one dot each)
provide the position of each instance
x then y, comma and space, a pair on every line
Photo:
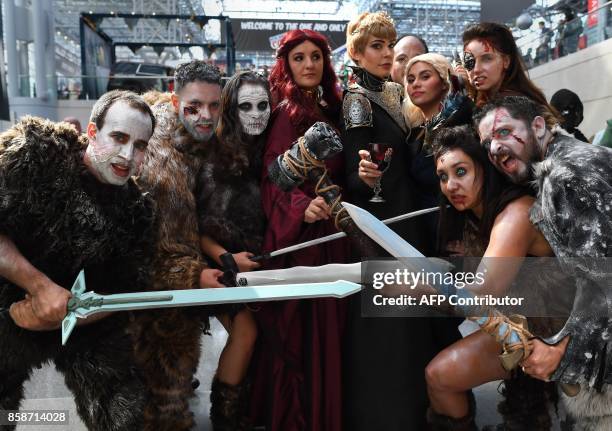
297, 366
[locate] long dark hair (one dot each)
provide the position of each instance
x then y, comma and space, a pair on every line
301, 109
496, 191
516, 79
236, 151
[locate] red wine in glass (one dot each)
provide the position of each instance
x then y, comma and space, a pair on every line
380, 153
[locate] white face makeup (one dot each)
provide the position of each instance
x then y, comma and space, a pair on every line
253, 108
116, 151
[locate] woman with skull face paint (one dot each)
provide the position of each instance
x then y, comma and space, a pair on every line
231, 219
298, 364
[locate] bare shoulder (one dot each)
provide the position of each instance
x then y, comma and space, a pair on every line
516, 226
517, 211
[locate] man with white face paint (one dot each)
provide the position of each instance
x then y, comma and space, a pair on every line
114, 154
573, 211
67, 203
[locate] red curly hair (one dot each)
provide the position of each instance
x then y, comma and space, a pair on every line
301, 109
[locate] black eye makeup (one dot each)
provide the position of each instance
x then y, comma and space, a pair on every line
469, 61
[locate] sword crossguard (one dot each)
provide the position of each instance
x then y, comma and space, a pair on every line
76, 302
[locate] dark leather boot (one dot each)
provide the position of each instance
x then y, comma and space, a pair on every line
228, 405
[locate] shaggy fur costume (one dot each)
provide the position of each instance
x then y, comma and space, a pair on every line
62, 219
167, 342
229, 204
574, 213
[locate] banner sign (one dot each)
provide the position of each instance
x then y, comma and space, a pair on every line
264, 35
592, 19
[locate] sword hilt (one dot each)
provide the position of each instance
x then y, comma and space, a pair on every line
260, 257
230, 269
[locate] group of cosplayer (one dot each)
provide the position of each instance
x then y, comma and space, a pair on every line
160, 186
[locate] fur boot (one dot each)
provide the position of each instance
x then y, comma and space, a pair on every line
589, 410
438, 422
525, 405
228, 405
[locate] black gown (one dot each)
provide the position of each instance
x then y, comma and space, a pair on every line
384, 358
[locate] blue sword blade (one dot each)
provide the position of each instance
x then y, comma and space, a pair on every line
195, 297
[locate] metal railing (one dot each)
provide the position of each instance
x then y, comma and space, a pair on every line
539, 47
77, 87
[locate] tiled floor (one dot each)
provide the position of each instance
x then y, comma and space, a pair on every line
46, 389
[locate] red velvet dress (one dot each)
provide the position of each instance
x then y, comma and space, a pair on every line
297, 375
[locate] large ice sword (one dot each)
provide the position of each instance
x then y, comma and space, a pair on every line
83, 304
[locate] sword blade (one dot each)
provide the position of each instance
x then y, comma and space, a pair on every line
338, 235
195, 297
301, 274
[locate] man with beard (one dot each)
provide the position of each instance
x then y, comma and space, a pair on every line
67, 202
167, 342
573, 211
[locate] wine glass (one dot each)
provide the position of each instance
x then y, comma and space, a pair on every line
380, 153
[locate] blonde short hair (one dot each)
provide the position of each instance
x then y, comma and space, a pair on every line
412, 113
368, 24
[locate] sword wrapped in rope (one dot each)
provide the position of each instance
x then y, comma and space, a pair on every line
305, 160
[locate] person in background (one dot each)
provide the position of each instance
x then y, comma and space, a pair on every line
570, 107
543, 49
571, 31
298, 364
492, 65
406, 47
428, 85
75, 123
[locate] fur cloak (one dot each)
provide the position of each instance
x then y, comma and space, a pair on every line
574, 213
167, 342
229, 203
62, 219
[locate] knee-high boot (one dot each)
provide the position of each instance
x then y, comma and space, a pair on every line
228, 406
438, 422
